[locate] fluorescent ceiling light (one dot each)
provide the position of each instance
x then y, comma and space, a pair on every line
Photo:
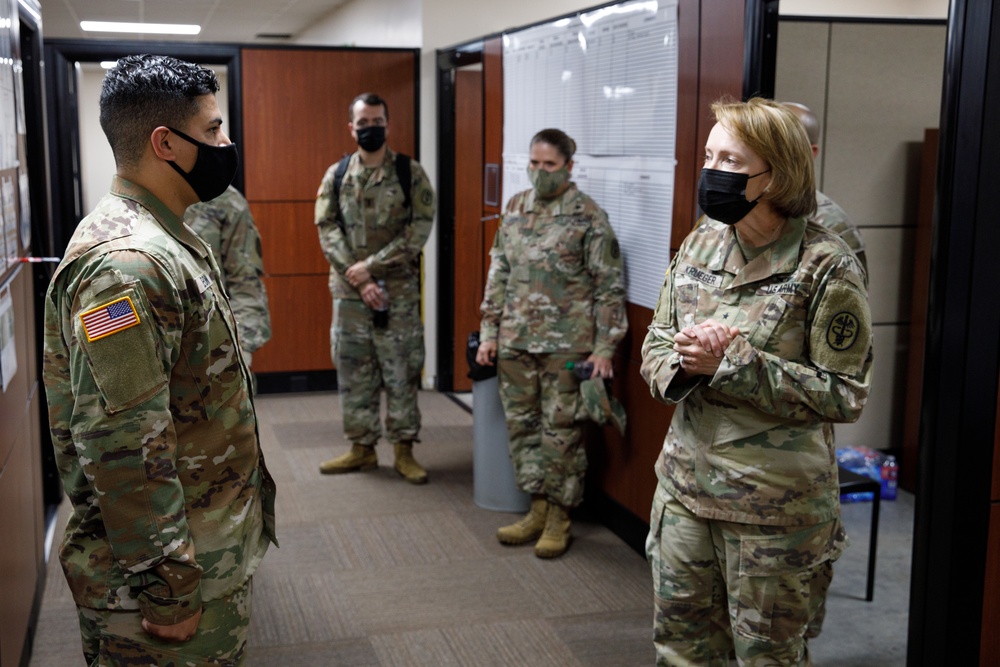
149, 28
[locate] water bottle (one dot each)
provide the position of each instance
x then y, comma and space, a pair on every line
889, 474
582, 369
380, 318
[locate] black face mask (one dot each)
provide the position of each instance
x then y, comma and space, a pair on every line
722, 195
214, 169
371, 138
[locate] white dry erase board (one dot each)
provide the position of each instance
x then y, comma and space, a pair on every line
608, 78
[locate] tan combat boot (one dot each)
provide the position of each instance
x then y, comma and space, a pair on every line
360, 457
555, 538
407, 466
528, 527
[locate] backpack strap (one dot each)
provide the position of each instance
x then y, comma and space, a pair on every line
338, 178
406, 181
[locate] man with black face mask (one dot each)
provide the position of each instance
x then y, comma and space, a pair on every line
374, 212
150, 407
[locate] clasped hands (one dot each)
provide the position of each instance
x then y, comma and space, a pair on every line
701, 346
361, 279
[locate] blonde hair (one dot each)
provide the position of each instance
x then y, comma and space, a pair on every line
776, 135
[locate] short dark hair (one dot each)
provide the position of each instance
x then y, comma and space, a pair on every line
143, 92
558, 139
371, 100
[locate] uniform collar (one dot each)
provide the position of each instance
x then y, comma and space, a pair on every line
387, 167
566, 203
171, 224
782, 257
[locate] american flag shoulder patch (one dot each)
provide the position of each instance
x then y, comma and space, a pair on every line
110, 318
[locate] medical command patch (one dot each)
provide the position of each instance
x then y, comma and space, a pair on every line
842, 331
110, 318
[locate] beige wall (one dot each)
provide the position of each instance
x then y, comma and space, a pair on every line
381, 23
875, 88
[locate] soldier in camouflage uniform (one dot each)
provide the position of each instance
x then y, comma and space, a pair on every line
370, 236
828, 213
226, 225
554, 294
762, 337
150, 410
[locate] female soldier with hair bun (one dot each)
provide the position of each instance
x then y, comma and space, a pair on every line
554, 294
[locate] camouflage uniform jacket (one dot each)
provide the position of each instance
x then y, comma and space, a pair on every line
555, 281
152, 420
377, 226
226, 225
754, 443
830, 215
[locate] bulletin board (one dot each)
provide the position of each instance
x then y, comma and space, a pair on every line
15, 218
608, 78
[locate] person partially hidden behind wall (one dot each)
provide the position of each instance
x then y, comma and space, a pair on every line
150, 406
226, 225
828, 213
374, 212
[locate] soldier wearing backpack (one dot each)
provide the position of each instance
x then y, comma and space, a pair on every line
374, 212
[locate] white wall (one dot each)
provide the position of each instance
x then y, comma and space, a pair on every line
381, 23
923, 9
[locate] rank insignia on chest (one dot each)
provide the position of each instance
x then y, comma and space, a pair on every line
110, 318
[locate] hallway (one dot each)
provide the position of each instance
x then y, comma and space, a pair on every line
375, 572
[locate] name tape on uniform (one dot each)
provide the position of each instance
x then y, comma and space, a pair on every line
108, 319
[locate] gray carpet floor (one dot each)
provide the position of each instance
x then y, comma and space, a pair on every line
373, 571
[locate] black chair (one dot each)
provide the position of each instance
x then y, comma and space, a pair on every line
852, 482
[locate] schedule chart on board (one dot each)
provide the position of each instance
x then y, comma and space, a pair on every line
608, 78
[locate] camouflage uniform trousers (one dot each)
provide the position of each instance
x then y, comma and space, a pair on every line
116, 638
370, 359
541, 401
721, 588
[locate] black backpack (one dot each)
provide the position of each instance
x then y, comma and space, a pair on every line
402, 172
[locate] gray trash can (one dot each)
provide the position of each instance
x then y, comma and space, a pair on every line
493, 485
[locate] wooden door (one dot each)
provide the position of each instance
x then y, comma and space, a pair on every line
468, 260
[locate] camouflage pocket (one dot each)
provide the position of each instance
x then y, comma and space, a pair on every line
776, 575
117, 337
120, 651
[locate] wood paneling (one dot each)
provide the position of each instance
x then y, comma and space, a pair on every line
624, 466
295, 113
469, 239
995, 488
301, 312
989, 646
687, 140
493, 112
288, 237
